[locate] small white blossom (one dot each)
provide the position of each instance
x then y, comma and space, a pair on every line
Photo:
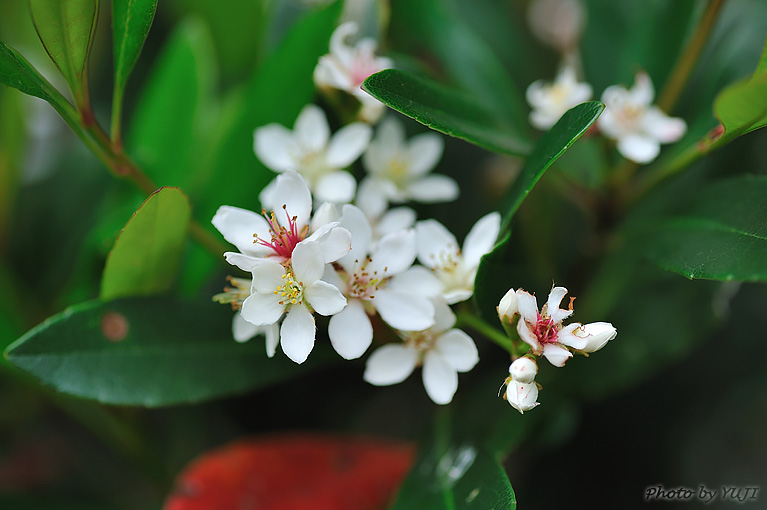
544, 333
275, 235
242, 330
550, 101
638, 127
317, 156
456, 268
297, 291
523, 370
508, 306
522, 396
398, 169
346, 67
441, 350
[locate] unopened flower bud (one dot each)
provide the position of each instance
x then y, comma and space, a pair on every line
599, 333
523, 370
522, 396
508, 306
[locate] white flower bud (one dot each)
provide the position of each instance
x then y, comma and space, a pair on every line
523, 370
522, 396
599, 333
508, 306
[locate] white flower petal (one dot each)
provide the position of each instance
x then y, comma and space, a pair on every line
423, 152
573, 335
348, 144
272, 333
266, 195
311, 129
639, 148
660, 126
325, 298
434, 241
326, 213
439, 378
552, 305
523, 370
417, 280
390, 364
599, 333
433, 189
262, 309
444, 318
556, 355
394, 253
508, 305
350, 330
527, 336
398, 218
527, 306
274, 147
404, 311
245, 262
297, 334
242, 330
481, 238
292, 192
267, 276
308, 262
522, 396
458, 349
642, 93
238, 226
336, 187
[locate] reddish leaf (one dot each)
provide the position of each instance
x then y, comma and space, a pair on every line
294, 472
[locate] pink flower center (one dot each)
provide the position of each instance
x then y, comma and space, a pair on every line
545, 329
284, 239
364, 65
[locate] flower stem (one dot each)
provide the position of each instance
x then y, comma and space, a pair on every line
689, 56
479, 325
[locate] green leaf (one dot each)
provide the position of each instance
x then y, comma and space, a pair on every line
723, 236
66, 30
145, 257
441, 108
131, 20
453, 475
148, 351
16, 72
167, 135
490, 284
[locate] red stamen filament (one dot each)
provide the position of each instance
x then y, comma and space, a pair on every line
284, 240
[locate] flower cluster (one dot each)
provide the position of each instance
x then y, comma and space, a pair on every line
323, 245
545, 335
630, 118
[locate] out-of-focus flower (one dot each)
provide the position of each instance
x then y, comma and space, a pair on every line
638, 127
275, 235
398, 170
456, 269
297, 291
346, 67
317, 156
522, 396
523, 370
546, 335
558, 23
550, 101
442, 351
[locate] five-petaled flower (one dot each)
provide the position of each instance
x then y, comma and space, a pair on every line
638, 127
550, 101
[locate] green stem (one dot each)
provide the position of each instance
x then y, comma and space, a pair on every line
492, 334
689, 56
116, 124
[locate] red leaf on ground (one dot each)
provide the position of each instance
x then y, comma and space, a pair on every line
295, 472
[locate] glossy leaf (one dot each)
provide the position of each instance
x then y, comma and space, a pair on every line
456, 476
722, 237
66, 30
148, 351
131, 20
16, 72
146, 254
490, 284
444, 109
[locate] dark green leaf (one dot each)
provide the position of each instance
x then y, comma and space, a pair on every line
722, 237
167, 135
742, 108
147, 351
131, 20
145, 257
16, 72
66, 30
490, 284
456, 476
446, 110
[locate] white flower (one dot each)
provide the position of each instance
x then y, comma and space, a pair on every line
508, 306
346, 67
442, 351
550, 101
438, 250
274, 236
378, 278
398, 169
242, 330
522, 396
638, 127
546, 335
523, 370
296, 289
558, 23
316, 155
